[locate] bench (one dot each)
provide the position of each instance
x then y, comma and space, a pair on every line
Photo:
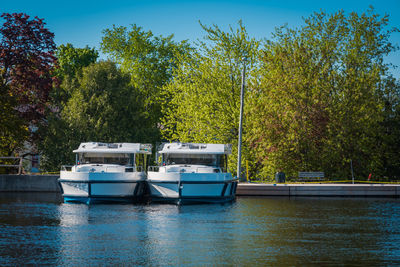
311, 176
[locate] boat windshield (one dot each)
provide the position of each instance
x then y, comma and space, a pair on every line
94, 158
194, 159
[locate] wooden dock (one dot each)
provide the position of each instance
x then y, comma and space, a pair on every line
319, 190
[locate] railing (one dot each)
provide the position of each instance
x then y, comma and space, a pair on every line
134, 169
311, 176
199, 169
66, 168
215, 170
153, 168
14, 164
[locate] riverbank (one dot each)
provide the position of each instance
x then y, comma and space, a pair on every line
49, 183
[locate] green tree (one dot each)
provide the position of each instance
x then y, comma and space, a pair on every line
202, 101
104, 108
389, 139
13, 129
150, 61
320, 104
71, 61
58, 139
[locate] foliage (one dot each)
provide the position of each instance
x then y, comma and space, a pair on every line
13, 131
317, 97
103, 108
320, 96
26, 63
71, 60
58, 138
389, 138
201, 103
27, 59
150, 61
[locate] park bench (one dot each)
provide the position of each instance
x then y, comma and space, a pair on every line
311, 177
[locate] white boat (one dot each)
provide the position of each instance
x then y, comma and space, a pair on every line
192, 173
105, 172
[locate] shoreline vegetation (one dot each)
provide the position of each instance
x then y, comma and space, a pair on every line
318, 98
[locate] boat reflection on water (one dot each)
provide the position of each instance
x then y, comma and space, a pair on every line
150, 235
103, 234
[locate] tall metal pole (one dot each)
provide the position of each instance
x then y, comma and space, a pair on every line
239, 164
352, 173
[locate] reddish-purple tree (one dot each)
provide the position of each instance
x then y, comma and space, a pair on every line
26, 63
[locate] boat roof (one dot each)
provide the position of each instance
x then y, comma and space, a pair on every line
196, 148
113, 148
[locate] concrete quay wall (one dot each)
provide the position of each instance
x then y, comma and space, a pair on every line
321, 190
49, 183
29, 183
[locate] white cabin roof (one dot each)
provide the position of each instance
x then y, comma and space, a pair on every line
194, 148
128, 148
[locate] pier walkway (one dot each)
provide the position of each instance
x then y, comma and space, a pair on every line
321, 190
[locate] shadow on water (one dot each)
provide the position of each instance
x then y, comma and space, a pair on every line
41, 230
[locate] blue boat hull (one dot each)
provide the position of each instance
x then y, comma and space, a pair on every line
192, 192
87, 191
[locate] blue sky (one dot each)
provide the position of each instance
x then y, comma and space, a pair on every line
81, 22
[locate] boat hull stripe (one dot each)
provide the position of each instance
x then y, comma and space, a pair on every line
190, 182
100, 181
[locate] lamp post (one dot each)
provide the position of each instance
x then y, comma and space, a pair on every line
239, 164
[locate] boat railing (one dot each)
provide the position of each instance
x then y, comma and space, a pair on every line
198, 169
66, 168
153, 168
134, 169
215, 169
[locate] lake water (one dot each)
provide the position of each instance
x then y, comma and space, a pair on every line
38, 229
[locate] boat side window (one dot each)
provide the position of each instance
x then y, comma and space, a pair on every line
116, 160
93, 158
193, 159
85, 158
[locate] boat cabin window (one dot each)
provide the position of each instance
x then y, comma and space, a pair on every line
194, 159
96, 158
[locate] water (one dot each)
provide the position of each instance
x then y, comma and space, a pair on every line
38, 229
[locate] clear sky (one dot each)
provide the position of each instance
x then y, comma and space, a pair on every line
81, 22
